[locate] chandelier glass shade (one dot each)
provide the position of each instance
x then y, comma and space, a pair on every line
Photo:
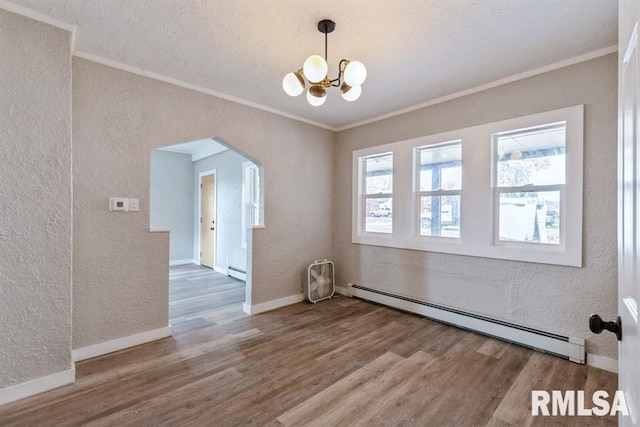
351, 75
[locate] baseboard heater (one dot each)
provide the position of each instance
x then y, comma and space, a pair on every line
237, 273
566, 347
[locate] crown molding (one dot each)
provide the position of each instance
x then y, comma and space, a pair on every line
176, 82
20, 10
40, 17
520, 76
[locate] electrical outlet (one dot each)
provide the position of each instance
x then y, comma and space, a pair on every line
134, 205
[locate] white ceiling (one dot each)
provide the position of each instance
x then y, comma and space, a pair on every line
415, 51
197, 149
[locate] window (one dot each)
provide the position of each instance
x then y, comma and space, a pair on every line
250, 199
529, 167
439, 188
517, 195
377, 193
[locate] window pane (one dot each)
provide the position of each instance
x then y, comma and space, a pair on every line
531, 157
532, 217
440, 167
379, 174
440, 216
379, 212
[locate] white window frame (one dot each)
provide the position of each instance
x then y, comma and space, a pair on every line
363, 195
250, 204
529, 188
477, 213
431, 193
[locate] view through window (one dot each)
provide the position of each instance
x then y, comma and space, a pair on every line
378, 193
440, 184
530, 178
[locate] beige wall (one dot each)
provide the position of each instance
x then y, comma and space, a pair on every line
35, 190
120, 269
554, 298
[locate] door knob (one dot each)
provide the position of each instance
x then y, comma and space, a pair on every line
597, 325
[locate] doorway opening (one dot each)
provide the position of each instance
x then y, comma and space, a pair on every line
210, 197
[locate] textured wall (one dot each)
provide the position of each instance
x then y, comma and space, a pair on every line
228, 166
554, 298
35, 189
171, 200
120, 269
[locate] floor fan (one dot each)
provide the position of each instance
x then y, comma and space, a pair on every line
320, 281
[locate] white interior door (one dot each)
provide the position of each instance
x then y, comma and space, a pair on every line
629, 210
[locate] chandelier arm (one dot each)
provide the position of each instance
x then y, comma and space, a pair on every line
338, 81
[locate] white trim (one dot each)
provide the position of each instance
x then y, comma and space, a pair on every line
37, 16
118, 344
159, 230
272, 305
182, 262
520, 76
237, 275
39, 385
176, 82
220, 270
601, 362
342, 291
139, 71
477, 206
45, 19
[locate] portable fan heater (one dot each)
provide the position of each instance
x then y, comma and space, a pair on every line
320, 282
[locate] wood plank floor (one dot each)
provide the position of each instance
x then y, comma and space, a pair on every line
341, 362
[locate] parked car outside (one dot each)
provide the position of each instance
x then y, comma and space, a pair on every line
382, 211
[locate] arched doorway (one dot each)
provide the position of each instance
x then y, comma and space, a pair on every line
209, 195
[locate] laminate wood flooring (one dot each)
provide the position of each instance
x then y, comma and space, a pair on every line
341, 362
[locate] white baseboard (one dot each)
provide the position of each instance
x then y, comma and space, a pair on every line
342, 291
272, 305
182, 262
602, 362
220, 270
96, 350
237, 275
39, 385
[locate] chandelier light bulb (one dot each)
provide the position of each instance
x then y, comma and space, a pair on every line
316, 100
351, 93
293, 84
355, 73
315, 68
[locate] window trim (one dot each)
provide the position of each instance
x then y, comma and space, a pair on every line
251, 208
431, 193
362, 223
477, 213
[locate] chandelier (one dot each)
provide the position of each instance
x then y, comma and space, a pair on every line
351, 75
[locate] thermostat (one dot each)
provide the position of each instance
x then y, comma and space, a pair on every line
118, 204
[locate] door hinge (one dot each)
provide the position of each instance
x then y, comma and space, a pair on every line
200, 185
200, 220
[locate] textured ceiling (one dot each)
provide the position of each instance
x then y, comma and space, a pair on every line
415, 50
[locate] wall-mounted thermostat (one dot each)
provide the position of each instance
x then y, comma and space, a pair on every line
118, 204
